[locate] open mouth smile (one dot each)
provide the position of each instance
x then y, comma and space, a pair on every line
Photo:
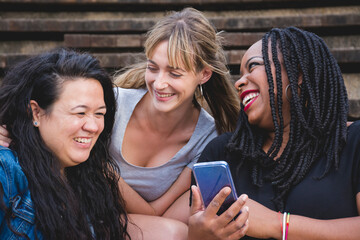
163, 95
82, 140
248, 97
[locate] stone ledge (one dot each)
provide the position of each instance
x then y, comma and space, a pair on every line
141, 2
104, 40
119, 60
258, 23
137, 40
231, 40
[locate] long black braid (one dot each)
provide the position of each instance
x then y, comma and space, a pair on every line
318, 114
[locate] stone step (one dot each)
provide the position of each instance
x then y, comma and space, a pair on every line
141, 21
141, 2
119, 60
231, 40
260, 3
122, 42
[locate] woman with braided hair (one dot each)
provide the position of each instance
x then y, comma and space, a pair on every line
292, 152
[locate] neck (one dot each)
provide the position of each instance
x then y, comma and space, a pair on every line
270, 140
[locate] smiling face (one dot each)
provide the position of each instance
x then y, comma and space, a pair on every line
254, 94
171, 88
74, 122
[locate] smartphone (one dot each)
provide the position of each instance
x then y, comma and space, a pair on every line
211, 177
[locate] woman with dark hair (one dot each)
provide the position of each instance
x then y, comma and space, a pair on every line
57, 179
292, 152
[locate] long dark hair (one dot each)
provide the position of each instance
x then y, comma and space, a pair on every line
318, 115
85, 202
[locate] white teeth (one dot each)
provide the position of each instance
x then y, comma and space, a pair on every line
247, 99
164, 95
83, 140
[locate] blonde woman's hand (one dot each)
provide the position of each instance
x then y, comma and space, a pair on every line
5, 140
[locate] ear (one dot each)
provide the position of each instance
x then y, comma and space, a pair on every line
206, 74
36, 111
300, 80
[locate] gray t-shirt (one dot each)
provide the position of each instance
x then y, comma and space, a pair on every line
152, 182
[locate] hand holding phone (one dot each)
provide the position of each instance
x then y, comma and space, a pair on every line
211, 177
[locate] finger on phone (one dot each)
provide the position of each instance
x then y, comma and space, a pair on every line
196, 203
241, 232
217, 201
237, 226
234, 210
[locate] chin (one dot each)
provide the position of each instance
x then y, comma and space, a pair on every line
80, 159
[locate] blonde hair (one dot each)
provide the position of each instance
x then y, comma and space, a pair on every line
193, 45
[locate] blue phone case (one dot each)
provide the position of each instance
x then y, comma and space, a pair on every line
211, 177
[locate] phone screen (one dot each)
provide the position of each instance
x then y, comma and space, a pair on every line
211, 177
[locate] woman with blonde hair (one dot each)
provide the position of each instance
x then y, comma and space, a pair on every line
161, 126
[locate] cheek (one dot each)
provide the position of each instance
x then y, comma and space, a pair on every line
149, 76
100, 124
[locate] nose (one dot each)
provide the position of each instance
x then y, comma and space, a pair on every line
242, 81
160, 81
91, 125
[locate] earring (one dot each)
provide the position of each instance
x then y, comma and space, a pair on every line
36, 123
286, 91
201, 90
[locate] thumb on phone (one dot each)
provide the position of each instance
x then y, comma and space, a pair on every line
196, 203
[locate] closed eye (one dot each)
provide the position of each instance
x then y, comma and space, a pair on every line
253, 64
175, 75
100, 114
152, 69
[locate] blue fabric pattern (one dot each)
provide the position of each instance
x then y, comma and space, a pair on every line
17, 198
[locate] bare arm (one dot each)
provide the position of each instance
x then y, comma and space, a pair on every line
180, 186
265, 223
180, 209
136, 204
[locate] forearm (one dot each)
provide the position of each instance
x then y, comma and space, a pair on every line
266, 223
134, 203
161, 204
313, 229
181, 185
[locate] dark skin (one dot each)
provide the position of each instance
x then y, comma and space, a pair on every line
264, 221
205, 224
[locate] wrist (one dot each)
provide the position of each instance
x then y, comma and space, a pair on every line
283, 223
277, 227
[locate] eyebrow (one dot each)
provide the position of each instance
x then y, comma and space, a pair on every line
169, 67
247, 62
84, 106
